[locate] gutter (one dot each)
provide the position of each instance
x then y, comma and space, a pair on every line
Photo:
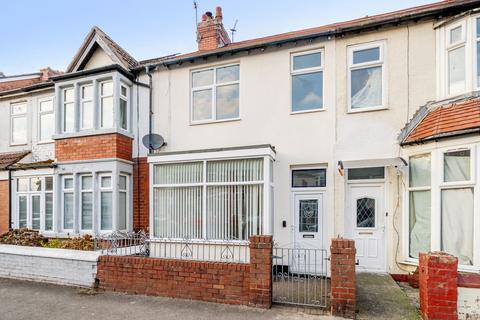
442, 136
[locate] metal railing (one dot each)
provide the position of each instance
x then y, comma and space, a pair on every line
130, 243
299, 277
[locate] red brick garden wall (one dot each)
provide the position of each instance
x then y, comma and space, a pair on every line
438, 286
112, 145
141, 194
4, 206
230, 283
343, 279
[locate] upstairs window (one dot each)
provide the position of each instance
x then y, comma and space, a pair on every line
307, 81
68, 110
106, 104
456, 59
123, 104
86, 107
18, 123
477, 50
366, 83
215, 94
46, 120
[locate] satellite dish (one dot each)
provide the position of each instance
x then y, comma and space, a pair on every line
153, 141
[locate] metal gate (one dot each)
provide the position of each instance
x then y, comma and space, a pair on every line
299, 277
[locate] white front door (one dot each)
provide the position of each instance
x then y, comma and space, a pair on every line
308, 211
366, 224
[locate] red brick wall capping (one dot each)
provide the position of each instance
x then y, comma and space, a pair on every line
102, 146
438, 285
229, 283
343, 278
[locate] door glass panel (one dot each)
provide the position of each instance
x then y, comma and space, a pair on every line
366, 173
309, 178
22, 211
308, 211
35, 212
366, 213
48, 211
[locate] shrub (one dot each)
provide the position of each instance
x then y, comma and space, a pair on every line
31, 238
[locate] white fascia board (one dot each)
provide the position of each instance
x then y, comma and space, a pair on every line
32, 172
367, 163
212, 155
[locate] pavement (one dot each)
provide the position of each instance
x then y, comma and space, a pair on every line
380, 297
24, 300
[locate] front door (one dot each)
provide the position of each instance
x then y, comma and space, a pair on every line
366, 225
308, 211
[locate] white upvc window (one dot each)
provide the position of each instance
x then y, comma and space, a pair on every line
46, 120
124, 103
455, 53
34, 202
307, 81
212, 199
106, 104
68, 211
106, 202
86, 202
68, 109
215, 94
366, 77
86, 107
123, 202
442, 210
477, 51
18, 123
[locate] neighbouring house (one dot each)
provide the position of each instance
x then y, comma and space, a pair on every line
366, 129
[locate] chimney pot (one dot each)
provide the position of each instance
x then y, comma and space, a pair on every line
209, 14
218, 12
210, 31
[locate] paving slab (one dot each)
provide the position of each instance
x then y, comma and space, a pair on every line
23, 300
380, 297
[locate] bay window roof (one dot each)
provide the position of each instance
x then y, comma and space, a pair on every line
437, 121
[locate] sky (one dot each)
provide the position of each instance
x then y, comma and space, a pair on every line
40, 33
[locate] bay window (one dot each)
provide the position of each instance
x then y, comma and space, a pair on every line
442, 210
33, 202
215, 94
366, 77
211, 199
46, 120
307, 81
18, 123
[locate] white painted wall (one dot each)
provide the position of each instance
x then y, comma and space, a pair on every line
468, 303
98, 59
58, 266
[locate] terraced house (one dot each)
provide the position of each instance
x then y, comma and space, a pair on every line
366, 129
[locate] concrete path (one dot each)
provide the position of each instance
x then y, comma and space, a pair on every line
22, 300
380, 297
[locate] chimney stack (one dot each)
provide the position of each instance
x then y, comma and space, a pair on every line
210, 31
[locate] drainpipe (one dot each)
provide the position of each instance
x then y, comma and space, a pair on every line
10, 200
150, 108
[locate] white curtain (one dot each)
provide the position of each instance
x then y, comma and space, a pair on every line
370, 95
457, 224
456, 166
420, 211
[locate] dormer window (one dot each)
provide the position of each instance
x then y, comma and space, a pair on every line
456, 59
95, 104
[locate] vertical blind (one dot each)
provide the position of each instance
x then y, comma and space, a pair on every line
226, 204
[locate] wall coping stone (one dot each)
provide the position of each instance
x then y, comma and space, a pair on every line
67, 254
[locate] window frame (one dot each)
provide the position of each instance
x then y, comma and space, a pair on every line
125, 98
43, 113
80, 202
64, 103
381, 62
476, 42
307, 71
63, 192
101, 190
214, 87
449, 47
127, 202
82, 100
17, 116
100, 103
302, 168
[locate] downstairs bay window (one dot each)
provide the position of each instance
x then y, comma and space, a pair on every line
224, 199
442, 210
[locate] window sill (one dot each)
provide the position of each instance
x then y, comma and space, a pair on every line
45, 142
308, 111
360, 110
93, 132
213, 121
18, 144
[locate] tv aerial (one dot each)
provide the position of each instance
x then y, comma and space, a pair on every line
234, 28
153, 141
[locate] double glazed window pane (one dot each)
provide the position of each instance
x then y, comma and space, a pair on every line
366, 173
308, 210
457, 223
228, 74
69, 117
366, 55
306, 61
47, 126
309, 178
122, 210
19, 130
420, 213
106, 210
456, 70
307, 91
202, 78
107, 112
366, 87
202, 105
456, 34
227, 101
179, 173
35, 212
48, 211
68, 211
420, 171
456, 166
87, 210
22, 211
35, 184
123, 114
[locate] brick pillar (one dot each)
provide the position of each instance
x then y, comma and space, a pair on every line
4, 206
141, 193
343, 290
438, 285
261, 271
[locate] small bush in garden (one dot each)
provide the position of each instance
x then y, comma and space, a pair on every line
80, 243
23, 237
